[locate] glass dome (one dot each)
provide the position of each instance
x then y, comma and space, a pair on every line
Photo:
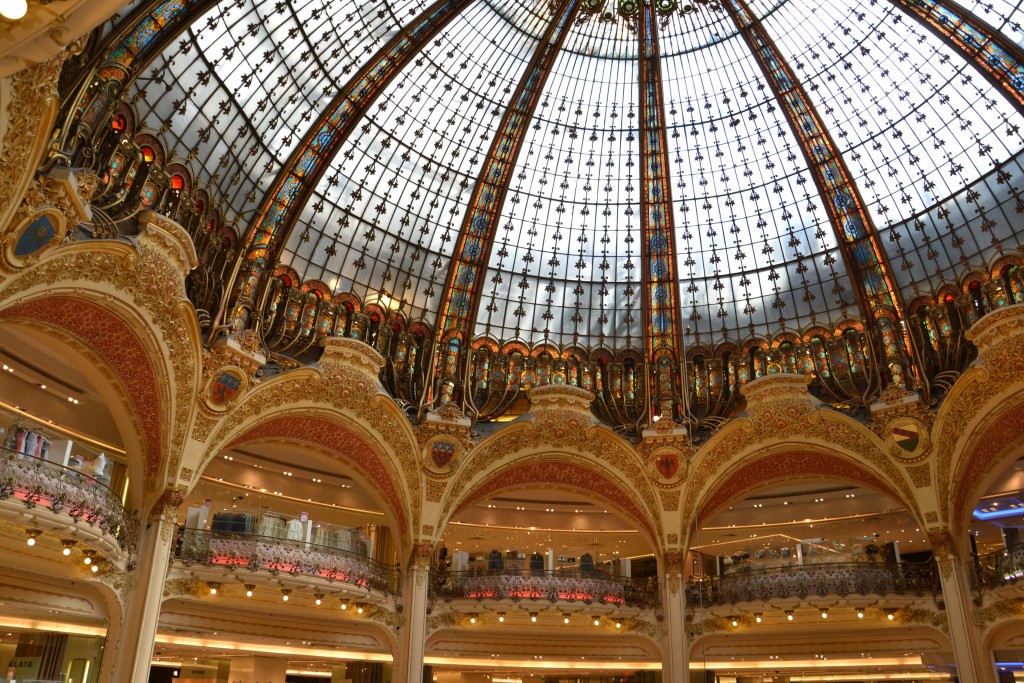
931, 145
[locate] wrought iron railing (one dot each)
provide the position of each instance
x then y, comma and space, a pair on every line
849, 367
279, 555
820, 580
38, 482
552, 586
1000, 568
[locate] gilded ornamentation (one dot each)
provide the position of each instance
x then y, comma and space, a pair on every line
931, 517
427, 530
921, 475
422, 553
153, 282
907, 439
194, 588
670, 500
1001, 610
923, 617
944, 551
33, 104
434, 490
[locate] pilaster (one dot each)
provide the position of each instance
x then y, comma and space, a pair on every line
675, 649
412, 636
130, 641
974, 662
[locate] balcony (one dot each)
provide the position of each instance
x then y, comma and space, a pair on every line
552, 586
282, 556
1001, 568
822, 580
42, 485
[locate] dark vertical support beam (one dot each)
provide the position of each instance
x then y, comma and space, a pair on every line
999, 59
877, 293
660, 293
465, 281
298, 179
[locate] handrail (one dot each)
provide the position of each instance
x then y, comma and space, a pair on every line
827, 579
276, 555
1000, 567
35, 481
537, 584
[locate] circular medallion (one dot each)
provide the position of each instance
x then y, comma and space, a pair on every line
441, 456
907, 439
225, 387
668, 465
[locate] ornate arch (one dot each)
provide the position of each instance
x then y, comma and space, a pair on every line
122, 361
783, 417
345, 393
327, 431
559, 448
989, 396
767, 467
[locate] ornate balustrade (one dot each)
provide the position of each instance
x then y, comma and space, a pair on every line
277, 555
848, 365
822, 580
1000, 568
545, 585
62, 490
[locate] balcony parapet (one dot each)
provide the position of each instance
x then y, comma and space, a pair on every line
1000, 569
277, 556
552, 586
32, 483
839, 579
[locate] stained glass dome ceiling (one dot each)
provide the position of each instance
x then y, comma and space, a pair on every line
930, 145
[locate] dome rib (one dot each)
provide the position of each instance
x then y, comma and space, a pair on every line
464, 283
1000, 60
660, 291
879, 298
309, 161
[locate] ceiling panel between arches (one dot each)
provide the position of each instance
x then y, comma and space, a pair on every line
388, 211
243, 83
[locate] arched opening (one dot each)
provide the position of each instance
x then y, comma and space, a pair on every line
543, 573
797, 571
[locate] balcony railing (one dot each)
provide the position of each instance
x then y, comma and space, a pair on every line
553, 586
822, 580
1000, 568
278, 555
38, 482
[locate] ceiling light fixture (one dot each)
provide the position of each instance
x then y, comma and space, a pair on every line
565, 618
284, 593
890, 614
318, 598
789, 615
249, 589
757, 617
735, 622
68, 545
533, 617
824, 613
33, 534
860, 613
214, 587
501, 617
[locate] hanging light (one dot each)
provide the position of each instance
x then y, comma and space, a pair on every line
735, 622
284, 593
33, 534
318, 598
565, 618
824, 613
618, 624
597, 621
13, 10
344, 605
757, 617
214, 587
501, 617
533, 617
359, 610
472, 618
68, 545
860, 612
87, 556
249, 589
890, 614
789, 615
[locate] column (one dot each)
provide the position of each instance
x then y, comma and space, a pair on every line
129, 646
415, 584
258, 670
973, 663
675, 648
